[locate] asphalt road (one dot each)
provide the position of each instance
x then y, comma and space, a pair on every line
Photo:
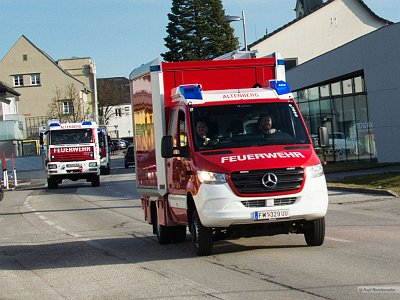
79, 242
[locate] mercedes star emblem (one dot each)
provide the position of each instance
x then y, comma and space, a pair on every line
269, 180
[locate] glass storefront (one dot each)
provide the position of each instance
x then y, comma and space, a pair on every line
342, 107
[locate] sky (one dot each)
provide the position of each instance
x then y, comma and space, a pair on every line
121, 35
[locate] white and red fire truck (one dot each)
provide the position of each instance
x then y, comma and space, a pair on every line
72, 152
206, 159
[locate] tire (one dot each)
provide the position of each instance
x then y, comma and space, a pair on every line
1, 193
314, 232
95, 181
52, 184
107, 171
201, 236
163, 232
178, 233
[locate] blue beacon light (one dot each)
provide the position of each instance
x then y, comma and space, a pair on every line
281, 87
191, 92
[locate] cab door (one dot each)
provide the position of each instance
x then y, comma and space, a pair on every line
178, 167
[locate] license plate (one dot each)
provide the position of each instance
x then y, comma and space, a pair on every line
271, 214
73, 165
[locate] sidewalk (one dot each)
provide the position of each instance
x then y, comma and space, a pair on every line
334, 176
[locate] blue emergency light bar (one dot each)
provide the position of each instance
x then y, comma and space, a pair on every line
191, 92
86, 123
281, 87
54, 124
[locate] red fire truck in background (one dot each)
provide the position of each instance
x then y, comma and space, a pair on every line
72, 152
207, 157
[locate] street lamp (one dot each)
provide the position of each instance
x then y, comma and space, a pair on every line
237, 18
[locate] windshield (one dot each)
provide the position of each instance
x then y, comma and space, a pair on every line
71, 136
246, 125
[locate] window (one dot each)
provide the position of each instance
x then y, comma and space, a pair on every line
336, 89
313, 93
358, 85
18, 80
25, 57
118, 112
182, 129
35, 79
66, 108
348, 86
324, 90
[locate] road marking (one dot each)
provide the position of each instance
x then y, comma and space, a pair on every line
74, 234
50, 222
337, 240
42, 217
61, 228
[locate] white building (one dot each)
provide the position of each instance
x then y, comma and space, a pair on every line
319, 29
120, 122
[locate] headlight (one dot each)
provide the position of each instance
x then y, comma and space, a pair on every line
315, 171
51, 166
210, 177
92, 164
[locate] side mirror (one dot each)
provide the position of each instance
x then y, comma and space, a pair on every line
323, 137
166, 146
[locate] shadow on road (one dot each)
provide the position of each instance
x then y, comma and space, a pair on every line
97, 252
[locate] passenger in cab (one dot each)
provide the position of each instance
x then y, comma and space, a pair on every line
265, 124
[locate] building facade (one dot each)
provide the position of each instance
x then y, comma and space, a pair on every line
319, 29
36, 77
11, 122
120, 123
354, 91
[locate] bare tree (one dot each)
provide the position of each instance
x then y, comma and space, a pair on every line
111, 92
67, 105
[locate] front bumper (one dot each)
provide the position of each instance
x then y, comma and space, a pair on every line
218, 206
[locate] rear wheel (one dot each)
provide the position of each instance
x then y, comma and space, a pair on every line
178, 233
95, 181
163, 232
201, 236
107, 171
314, 232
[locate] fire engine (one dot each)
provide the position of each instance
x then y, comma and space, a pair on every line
72, 152
222, 148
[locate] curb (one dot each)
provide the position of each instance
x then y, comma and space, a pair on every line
364, 190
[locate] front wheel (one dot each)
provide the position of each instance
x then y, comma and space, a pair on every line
52, 183
96, 181
314, 232
201, 236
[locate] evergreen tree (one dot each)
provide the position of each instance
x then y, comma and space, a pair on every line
197, 30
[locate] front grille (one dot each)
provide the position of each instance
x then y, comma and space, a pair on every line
70, 157
263, 202
251, 182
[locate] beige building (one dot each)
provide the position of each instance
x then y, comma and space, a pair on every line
319, 28
36, 76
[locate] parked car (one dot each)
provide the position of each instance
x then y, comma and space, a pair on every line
129, 159
343, 142
119, 144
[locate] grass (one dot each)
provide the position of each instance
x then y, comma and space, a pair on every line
383, 180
